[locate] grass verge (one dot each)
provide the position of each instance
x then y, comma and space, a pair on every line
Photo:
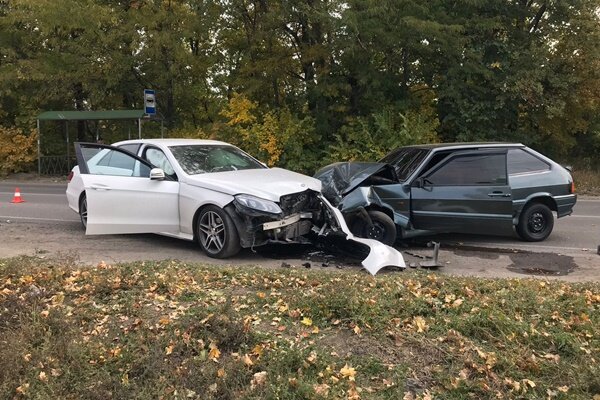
177, 330
587, 181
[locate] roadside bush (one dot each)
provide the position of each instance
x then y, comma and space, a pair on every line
276, 137
17, 150
370, 138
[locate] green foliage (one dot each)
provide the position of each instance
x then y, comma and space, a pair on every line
17, 150
276, 137
370, 138
361, 76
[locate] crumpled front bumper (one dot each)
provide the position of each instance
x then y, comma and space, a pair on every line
255, 230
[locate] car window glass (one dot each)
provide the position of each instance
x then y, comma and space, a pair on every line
157, 158
435, 160
130, 147
200, 159
405, 160
521, 162
114, 162
117, 160
487, 169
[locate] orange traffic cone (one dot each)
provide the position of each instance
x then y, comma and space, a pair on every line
17, 198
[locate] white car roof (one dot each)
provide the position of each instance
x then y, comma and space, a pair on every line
173, 142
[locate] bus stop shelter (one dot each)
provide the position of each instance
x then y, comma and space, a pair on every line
61, 164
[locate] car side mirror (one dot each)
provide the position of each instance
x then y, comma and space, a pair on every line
422, 183
157, 174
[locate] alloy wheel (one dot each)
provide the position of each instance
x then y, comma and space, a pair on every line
83, 212
212, 232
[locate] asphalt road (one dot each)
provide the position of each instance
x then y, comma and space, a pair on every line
46, 203
45, 225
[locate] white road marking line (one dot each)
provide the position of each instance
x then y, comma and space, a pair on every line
37, 219
584, 216
35, 194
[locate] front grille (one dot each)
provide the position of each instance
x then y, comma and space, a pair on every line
299, 202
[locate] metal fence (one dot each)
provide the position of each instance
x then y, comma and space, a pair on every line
56, 165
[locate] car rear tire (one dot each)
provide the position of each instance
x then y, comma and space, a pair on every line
535, 223
217, 234
83, 211
383, 228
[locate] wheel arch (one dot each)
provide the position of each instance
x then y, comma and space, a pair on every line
545, 199
385, 210
228, 208
81, 196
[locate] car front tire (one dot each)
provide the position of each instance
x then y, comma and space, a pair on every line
535, 223
383, 228
217, 234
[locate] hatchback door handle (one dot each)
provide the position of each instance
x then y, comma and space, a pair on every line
498, 193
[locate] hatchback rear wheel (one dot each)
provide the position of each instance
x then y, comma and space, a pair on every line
217, 234
535, 223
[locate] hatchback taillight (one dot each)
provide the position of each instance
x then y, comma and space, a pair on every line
572, 188
70, 176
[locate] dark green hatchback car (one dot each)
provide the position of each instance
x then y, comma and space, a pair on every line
487, 188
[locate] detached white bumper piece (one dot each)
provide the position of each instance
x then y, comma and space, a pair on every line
380, 256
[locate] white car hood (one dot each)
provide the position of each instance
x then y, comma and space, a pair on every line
268, 184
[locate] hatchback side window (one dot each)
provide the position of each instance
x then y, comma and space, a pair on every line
522, 162
468, 170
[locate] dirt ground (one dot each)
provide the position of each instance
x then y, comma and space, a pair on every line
67, 239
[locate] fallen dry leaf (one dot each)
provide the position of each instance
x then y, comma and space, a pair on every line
258, 379
247, 360
420, 324
214, 352
322, 389
24, 387
348, 372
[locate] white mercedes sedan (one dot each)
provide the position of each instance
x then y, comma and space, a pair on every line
202, 190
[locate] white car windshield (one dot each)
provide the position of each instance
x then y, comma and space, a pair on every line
201, 159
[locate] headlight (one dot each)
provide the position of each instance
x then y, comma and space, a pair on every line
258, 204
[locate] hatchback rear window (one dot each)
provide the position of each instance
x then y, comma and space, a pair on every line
521, 162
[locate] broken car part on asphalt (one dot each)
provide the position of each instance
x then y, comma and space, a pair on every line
380, 255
